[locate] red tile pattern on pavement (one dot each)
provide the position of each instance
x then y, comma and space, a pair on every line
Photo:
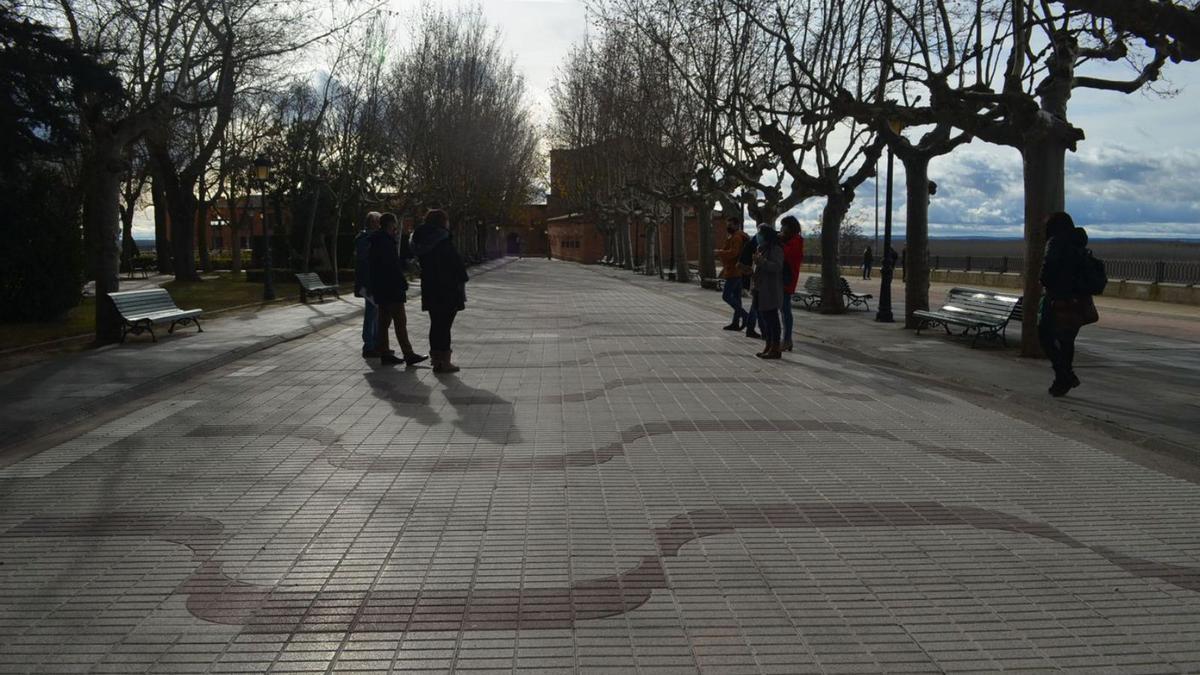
611, 483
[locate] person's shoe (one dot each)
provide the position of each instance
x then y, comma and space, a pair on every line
441, 363
414, 358
370, 354
390, 359
753, 334
732, 326
773, 352
1074, 381
787, 346
1060, 388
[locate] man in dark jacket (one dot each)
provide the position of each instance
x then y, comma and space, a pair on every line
443, 284
388, 288
746, 261
362, 288
1061, 267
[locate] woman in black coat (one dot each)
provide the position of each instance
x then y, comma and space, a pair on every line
443, 285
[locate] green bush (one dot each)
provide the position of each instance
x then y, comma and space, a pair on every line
41, 255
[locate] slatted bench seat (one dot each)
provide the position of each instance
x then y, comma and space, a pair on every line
311, 284
810, 298
977, 312
142, 310
853, 298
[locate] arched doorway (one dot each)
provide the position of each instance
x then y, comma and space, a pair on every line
514, 244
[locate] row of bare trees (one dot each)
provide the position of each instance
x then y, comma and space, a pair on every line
354, 105
769, 103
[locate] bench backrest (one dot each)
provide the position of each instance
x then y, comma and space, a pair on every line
813, 284
138, 303
310, 280
983, 303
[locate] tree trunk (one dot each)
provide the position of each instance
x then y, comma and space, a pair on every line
162, 239
202, 226
652, 244
101, 228
679, 244
708, 261
628, 246
835, 209
181, 204
916, 238
128, 246
310, 223
1045, 192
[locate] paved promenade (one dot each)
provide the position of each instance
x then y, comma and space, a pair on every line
611, 484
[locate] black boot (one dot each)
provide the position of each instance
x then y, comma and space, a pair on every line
733, 326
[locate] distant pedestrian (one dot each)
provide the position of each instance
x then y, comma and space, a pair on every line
769, 265
746, 266
793, 255
1069, 279
362, 287
443, 284
389, 289
868, 260
728, 254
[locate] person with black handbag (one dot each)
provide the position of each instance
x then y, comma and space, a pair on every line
1067, 303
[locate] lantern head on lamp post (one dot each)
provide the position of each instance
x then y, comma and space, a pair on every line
262, 174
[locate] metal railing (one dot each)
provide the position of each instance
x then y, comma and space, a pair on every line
1157, 271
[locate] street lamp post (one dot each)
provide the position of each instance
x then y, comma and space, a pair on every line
262, 173
884, 313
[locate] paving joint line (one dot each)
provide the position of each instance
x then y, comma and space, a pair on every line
116, 404
1028, 406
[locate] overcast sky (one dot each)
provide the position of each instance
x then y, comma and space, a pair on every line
1136, 174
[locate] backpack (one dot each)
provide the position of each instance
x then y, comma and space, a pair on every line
1092, 277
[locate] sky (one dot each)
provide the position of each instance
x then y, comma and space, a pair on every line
1136, 175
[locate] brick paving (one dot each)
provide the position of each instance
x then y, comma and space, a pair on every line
610, 484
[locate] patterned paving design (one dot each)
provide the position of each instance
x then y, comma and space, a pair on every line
611, 483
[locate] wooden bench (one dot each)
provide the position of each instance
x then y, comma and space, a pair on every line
810, 298
142, 310
311, 284
978, 312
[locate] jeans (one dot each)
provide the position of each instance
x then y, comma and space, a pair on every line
866, 270
770, 325
752, 318
370, 319
393, 313
439, 330
1059, 345
732, 295
785, 310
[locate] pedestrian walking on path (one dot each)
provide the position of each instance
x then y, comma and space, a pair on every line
793, 256
868, 261
362, 281
443, 285
1068, 278
769, 266
728, 255
746, 265
389, 288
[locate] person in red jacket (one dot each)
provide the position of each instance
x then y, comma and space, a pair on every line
793, 257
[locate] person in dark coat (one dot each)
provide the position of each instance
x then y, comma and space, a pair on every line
868, 261
443, 284
385, 267
746, 265
1061, 267
362, 283
769, 261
